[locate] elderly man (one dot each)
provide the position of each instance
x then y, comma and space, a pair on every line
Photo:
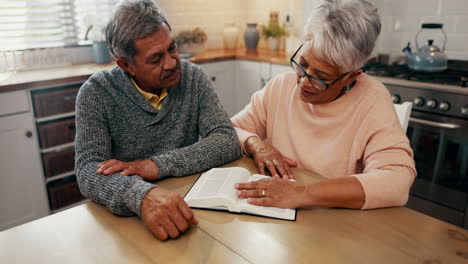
151, 117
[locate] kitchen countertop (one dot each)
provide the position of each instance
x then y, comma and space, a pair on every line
49, 77
79, 73
261, 55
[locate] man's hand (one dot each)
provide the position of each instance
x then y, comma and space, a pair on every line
266, 156
166, 214
147, 169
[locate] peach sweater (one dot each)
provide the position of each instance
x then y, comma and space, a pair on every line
356, 135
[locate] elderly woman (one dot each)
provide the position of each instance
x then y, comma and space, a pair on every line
329, 118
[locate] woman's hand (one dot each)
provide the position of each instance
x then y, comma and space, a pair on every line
272, 192
146, 169
266, 156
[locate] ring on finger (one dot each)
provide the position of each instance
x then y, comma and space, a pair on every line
263, 193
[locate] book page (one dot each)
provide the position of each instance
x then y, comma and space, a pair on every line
215, 186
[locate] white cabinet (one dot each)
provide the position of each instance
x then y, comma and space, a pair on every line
22, 193
235, 81
222, 75
250, 77
14, 102
278, 69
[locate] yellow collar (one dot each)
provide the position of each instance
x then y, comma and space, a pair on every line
153, 99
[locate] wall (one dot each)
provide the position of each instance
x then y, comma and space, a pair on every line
401, 19
213, 15
259, 11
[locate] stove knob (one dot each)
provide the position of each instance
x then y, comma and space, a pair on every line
444, 106
418, 101
395, 98
431, 103
464, 110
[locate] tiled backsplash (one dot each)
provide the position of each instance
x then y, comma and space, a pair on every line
401, 20
213, 15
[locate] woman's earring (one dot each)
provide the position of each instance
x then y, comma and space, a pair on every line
348, 87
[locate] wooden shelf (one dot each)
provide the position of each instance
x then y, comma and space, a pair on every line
54, 111
58, 148
55, 117
60, 176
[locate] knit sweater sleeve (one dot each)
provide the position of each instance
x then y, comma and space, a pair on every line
389, 168
218, 144
121, 194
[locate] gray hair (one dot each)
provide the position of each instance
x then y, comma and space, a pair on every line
343, 32
132, 20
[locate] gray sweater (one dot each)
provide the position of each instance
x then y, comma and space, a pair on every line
189, 134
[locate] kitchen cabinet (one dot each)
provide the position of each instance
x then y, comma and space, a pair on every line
251, 76
236, 80
222, 76
54, 109
22, 188
278, 69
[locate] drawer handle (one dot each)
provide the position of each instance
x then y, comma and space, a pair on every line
71, 127
69, 97
213, 78
434, 124
29, 134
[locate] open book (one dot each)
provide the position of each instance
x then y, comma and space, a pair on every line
214, 189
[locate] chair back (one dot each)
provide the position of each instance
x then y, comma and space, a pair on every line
403, 111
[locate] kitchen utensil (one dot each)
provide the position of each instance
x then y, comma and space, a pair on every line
428, 58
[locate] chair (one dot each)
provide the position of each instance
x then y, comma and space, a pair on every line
403, 112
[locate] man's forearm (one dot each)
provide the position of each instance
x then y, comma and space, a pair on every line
214, 150
121, 194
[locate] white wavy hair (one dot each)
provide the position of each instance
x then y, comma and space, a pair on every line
343, 32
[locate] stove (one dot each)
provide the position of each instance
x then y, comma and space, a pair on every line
442, 93
438, 133
451, 77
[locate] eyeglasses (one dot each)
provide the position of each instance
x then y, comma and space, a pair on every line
315, 82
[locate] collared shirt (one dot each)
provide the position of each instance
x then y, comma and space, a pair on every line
153, 99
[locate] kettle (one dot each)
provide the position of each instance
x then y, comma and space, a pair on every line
428, 58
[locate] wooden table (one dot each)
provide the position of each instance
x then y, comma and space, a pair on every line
91, 234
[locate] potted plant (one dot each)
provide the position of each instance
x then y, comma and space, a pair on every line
101, 52
191, 42
273, 32
95, 25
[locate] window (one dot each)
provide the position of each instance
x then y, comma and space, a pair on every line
95, 13
26, 24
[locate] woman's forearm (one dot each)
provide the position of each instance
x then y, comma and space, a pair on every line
252, 144
342, 192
